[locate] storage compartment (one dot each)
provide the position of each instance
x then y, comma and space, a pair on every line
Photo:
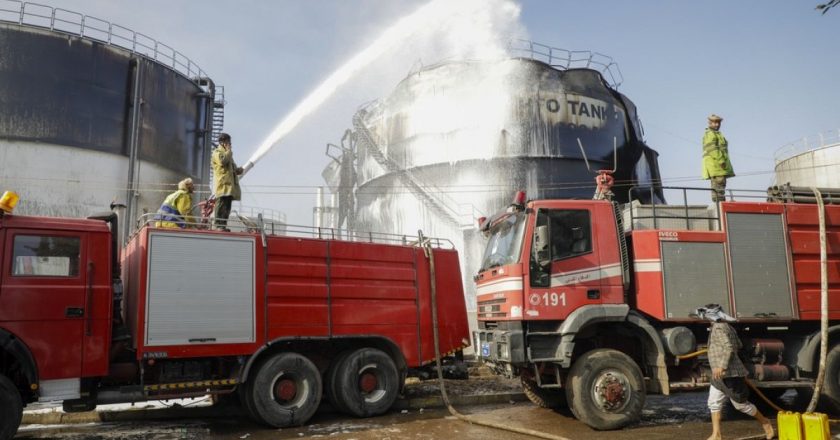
200, 289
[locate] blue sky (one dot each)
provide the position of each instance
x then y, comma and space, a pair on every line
770, 68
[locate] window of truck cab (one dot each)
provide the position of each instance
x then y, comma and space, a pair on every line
566, 233
505, 243
570, 232
35, 255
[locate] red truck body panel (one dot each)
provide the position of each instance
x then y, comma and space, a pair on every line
314, 288
648, 282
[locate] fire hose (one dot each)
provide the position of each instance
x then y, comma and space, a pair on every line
428, 251
823, 302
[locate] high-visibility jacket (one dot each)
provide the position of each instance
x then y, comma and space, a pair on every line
716, 155
226, 182
175, 210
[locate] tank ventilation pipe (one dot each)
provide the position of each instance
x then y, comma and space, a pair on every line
823, 303
429, 253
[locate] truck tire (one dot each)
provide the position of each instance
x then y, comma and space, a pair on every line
605, 389
245, 401
332, 388
11, 408
830, 394
543, 397
285, 391
367, 382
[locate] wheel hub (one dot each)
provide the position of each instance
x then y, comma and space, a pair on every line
611, 391
285, 389
368, 382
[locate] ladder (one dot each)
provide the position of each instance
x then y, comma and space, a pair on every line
218, 115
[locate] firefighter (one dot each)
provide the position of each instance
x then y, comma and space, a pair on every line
226, 177
176, 209
728, 372
716, 165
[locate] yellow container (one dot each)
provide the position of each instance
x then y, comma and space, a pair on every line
790, 425
815, 426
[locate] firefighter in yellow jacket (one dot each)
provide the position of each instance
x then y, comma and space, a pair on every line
226, 179
716, 165
176, 210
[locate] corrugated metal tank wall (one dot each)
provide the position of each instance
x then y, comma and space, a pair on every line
66, 124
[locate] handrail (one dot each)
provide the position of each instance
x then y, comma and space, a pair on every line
92, 28
243, 224
568, 59
807, 143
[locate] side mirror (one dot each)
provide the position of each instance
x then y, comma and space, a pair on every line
541, 249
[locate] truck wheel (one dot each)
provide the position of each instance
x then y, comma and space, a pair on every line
245, 401
332, 387
368, 382
831, 386
543, 397
605, 389
11, 408
286, 390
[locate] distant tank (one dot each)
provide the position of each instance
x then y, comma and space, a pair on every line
811, 161
454, 141
93, 113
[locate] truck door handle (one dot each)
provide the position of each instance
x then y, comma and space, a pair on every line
74, 312
593, 294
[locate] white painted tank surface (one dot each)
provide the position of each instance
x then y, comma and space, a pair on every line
810, 161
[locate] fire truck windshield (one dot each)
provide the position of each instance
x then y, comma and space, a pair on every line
505, 242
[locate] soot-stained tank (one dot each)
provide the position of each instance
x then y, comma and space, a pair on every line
91, 114
455, 141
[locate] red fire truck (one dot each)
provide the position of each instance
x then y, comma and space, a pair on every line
589, 302
281, 320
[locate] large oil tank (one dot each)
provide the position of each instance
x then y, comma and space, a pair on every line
454, 141
92, 113
810, 161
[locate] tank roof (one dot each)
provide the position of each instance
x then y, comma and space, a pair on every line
92, 28
560, 59
818, 141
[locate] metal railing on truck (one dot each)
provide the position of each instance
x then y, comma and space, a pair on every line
682, 215
273, 227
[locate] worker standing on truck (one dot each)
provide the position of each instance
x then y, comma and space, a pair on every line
226, 177
716, 164
728, 372
176, 209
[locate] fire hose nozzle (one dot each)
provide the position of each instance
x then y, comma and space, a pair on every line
247, 167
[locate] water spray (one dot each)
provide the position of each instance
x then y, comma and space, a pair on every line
436, 12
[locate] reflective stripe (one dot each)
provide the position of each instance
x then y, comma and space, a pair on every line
500, 285
584, 275
168, 213
647, 265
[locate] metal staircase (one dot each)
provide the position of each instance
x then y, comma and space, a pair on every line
412, 183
